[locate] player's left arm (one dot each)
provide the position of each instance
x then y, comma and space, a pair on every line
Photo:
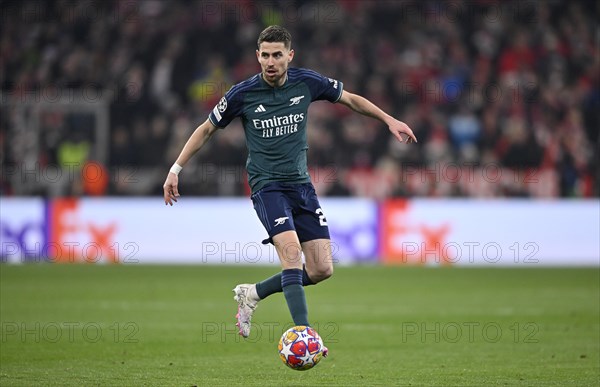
365, 107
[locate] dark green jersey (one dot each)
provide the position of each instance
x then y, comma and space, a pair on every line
274, 121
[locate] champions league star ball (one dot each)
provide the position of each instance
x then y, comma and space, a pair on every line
300, 348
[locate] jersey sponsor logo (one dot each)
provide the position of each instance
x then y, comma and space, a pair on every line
335, 83
278, 121
280, 221
295, 100
278, 125
260, 109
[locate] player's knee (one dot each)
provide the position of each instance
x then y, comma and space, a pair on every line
327, 273
322, 274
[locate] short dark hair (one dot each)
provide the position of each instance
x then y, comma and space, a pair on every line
275, 34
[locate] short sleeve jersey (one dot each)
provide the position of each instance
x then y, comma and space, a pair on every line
274, 121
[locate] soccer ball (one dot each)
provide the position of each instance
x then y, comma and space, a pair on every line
300, 348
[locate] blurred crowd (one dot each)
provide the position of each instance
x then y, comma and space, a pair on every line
503, 96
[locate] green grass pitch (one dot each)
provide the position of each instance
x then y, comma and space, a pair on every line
139, 325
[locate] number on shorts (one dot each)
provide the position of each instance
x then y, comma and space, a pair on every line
322, 219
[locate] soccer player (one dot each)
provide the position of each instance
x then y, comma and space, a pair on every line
273, 106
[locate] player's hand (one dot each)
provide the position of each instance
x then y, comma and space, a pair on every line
398, 128
170, 189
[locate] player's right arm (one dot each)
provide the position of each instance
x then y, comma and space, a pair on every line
193, 145
229, 107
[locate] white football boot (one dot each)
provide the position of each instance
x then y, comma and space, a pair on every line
246, 307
